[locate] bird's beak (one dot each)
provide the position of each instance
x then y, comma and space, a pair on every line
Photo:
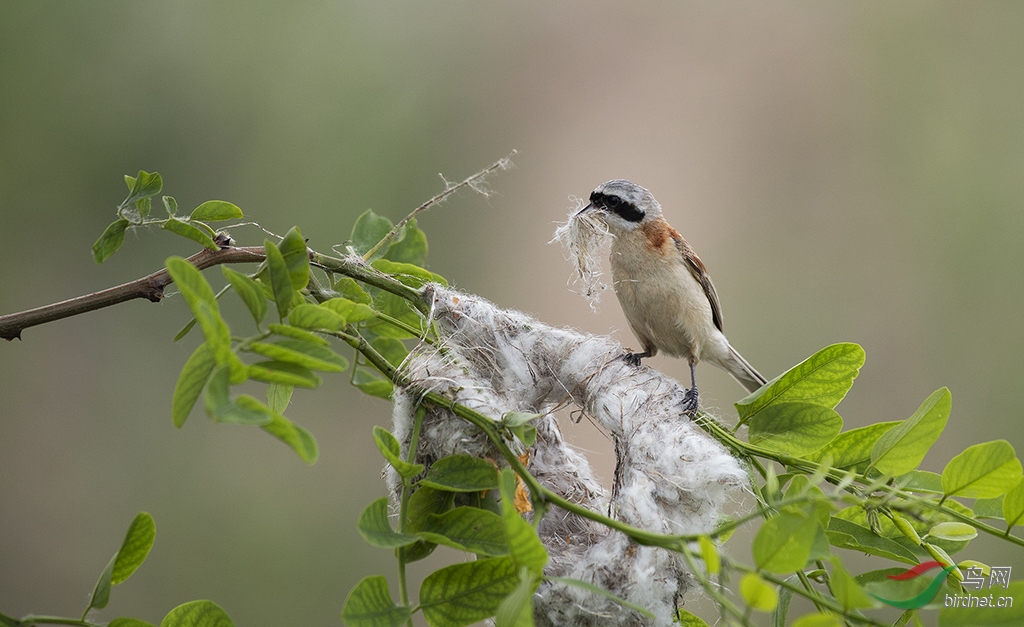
590, 206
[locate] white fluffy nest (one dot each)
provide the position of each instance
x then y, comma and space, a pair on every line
671, 476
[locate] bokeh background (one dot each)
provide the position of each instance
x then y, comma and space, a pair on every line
848, 171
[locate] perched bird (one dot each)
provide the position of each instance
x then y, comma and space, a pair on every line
663, 287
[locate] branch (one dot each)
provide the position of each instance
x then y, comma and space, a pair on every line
150, 287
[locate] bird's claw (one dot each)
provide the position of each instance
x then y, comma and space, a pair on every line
633, 359
691, 402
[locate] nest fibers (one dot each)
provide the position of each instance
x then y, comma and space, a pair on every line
584, 237
671, 477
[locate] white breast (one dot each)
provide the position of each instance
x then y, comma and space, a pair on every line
666, 307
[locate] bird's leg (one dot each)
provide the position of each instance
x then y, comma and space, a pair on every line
691, 401
633, 359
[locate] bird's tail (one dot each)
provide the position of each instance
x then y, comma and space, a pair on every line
743, 371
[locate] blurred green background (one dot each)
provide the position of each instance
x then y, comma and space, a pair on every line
847, 171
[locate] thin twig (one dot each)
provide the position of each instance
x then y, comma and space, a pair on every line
449, 189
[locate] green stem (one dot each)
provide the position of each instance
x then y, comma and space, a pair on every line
403, 589
30, 620
357, 269
747, 450
709, 587
828, 603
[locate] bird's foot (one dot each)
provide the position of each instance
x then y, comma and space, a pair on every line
633, 359
691, 402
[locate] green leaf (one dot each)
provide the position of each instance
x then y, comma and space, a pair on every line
983, 471
220, 407
215, 210
462, 473
465, 593
278, 397
524, 544
249, 291
392, 452
279, 279
190, 231
758, 593
823, 379
989, 508
921, 481
818, 620
399, 309
370, 605
784, 542
391, 349
780, 615
197, 614
294, 436
849, 535
309, 316
709, 553
372, 384
301, 354
297, 334
191, 283
110, 241
216, 333
407, 273
190, 383
903, 447
794, 428
517, 418
144, 185
283, 373
136, 546
202, 302
351, 311
687, 619
517, 608
101, 591
467, 529
424, 503
846, 589
351, 290
129, 622
1009, 614
144, 207
369, 229
412, 248
296, 257
171, 205
852, 450
376, 529
1013, 506
953, 531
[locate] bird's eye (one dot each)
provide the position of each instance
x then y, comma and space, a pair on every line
613, 201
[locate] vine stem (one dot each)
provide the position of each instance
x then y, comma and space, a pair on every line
748, 450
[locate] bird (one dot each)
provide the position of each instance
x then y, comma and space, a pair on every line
663, 287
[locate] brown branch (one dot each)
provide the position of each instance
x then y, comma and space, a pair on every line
150, 287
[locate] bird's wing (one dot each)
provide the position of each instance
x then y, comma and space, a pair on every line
699, 272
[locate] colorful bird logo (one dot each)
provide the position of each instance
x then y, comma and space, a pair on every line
925, 596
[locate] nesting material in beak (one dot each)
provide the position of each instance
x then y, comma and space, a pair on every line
584, 237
